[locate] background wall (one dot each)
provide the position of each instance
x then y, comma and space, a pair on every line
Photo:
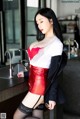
52, 4
67, 8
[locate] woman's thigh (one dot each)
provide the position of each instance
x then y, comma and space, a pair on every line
32, 100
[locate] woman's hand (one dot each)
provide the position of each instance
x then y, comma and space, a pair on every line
20, 74
50, 105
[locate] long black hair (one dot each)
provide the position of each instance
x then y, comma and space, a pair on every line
48, 13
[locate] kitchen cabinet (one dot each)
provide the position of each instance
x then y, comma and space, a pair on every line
70, 32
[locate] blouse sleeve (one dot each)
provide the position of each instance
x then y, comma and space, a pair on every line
55, 49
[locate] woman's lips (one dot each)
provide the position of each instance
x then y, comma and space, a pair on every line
41, 30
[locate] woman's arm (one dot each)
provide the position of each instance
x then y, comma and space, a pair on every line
51, 91
52, 96
56, 67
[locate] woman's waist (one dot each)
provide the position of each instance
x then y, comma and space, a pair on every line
38, 70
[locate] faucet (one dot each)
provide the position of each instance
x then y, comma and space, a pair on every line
25, 64
26, 61
10, 69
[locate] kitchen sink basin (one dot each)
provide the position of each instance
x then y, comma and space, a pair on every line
5, 73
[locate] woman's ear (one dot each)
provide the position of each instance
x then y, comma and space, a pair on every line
51, 21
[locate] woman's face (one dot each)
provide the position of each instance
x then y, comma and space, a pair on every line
44, 25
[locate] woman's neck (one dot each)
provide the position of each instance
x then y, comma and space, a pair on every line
49, 34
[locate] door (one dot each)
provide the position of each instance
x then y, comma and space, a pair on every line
31, 7
1, 40
12, 27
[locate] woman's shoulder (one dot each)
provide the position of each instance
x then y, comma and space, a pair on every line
56, 47
57, 40
56, 43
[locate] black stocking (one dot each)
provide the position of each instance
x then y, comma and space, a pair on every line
37, 114
22, 112
21, 115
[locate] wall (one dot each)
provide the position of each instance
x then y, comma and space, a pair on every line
68, 8
52, 4
32, 3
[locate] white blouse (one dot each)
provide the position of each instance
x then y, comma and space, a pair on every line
43, 57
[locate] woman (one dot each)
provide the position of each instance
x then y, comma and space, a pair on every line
48, 45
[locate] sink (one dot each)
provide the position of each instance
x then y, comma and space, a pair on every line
4, 72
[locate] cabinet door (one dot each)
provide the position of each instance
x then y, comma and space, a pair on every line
70, 33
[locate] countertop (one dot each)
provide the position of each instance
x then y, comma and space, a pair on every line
11, 87
9, 83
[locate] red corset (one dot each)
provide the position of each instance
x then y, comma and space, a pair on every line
37, 80
33, 52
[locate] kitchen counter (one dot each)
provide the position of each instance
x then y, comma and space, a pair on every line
12, 91
12, 87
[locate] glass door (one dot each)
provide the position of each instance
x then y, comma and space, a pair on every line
2, 44
31, 7
0, 38
12, 21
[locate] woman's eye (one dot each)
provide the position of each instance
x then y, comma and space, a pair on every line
41, 22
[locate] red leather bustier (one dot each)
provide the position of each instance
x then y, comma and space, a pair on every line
37, 80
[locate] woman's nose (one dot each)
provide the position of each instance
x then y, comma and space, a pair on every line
39, 26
